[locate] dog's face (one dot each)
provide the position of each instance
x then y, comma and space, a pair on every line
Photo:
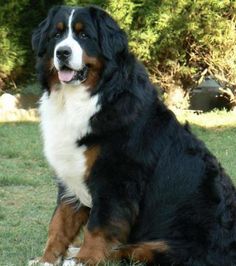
68, 55
74, 44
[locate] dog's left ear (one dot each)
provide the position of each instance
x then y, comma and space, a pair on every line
40, 34
112, 39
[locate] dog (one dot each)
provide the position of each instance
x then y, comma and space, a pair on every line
142, 185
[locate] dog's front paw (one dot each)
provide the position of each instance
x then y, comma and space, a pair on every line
72, 252
39, 262
72, 262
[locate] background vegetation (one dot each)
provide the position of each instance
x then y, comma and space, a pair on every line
178, 40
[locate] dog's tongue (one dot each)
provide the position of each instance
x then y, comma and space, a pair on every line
66, 75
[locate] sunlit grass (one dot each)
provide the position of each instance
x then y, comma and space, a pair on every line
28, 193
212, 119
18, 115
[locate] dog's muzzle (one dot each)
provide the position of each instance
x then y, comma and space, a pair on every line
68, 75
66, 72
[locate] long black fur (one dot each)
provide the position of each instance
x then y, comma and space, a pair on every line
152, 173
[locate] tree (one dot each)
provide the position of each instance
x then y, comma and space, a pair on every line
178, 40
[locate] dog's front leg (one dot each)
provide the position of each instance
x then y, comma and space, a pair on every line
64, 227
106, 229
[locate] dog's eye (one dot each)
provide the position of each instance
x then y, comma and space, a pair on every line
83, 35
57, 35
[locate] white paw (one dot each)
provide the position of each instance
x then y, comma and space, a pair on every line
72, 251
33, 262
71, 262
36, 262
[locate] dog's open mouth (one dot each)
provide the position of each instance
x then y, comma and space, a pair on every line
68, 75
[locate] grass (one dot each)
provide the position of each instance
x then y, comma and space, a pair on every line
28, 194
214, 119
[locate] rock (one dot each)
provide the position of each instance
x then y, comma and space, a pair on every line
8, 102
11, 111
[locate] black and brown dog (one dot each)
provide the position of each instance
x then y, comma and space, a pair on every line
142, 184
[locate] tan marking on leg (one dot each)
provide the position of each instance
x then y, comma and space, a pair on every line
64, 227
96, 248
143, 252
98, 243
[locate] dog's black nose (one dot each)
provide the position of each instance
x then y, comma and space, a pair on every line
63, 53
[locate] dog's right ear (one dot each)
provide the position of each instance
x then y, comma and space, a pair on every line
112, 39
40, 34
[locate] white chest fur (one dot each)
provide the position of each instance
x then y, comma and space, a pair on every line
65, 118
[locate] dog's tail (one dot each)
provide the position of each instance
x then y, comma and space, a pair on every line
152, 253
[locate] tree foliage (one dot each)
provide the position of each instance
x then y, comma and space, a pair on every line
17, 20
178, 40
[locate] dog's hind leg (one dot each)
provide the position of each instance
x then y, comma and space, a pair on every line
151, 253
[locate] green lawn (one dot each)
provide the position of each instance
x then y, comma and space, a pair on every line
28, 194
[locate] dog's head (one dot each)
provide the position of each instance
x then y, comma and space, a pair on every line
74, 45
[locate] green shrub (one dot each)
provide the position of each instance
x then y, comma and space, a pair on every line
178, 40
17, 20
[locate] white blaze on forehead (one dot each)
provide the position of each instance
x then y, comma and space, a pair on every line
75, 62
70, 22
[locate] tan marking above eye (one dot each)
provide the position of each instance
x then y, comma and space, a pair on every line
78, 26
60, 26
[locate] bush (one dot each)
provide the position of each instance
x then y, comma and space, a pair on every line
178, 41
17, 20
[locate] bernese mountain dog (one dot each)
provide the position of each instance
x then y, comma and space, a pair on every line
142, 186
